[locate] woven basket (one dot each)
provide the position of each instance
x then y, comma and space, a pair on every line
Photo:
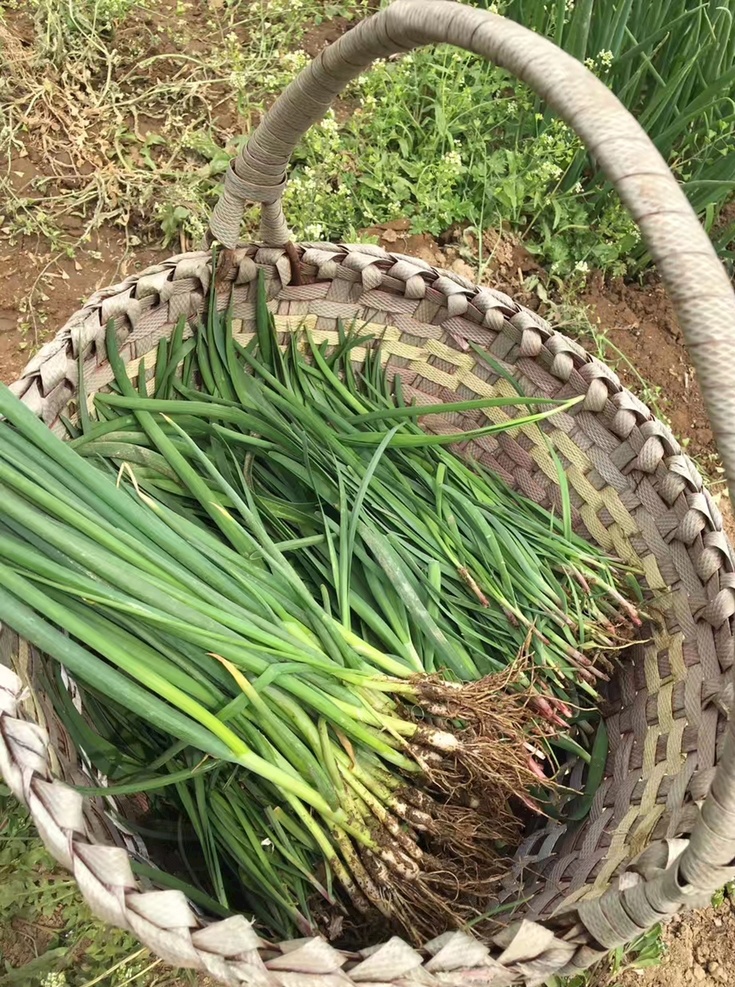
660, 836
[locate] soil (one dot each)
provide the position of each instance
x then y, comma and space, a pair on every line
39, 289
631, 326
700, 950
641, 323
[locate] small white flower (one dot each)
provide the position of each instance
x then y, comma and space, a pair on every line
606, 57
294, 59
590, 63
314, 231
238, 80
582, 267
569, 5
330, 125
577, 188
54, 979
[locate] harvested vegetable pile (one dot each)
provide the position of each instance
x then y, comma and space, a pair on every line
342, 659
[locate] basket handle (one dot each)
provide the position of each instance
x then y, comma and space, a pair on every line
689, 267
691, 272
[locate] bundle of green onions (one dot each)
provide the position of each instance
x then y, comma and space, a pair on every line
343, 654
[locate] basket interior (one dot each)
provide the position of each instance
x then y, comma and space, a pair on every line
633, 493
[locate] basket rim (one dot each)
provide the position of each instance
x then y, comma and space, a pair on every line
577, 936
670, 874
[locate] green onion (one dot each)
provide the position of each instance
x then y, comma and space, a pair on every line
304, 626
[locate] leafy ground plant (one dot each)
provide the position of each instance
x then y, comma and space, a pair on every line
445, 121
136, 115
48, 938
644, 952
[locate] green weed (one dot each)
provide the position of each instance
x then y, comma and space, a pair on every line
72, 29
48, 937
672, 64
646, 951
724, 895
443, 138
438, 136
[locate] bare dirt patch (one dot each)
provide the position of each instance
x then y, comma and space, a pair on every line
40, 288
700, 949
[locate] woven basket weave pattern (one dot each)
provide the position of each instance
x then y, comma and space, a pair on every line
660, 835
633, 491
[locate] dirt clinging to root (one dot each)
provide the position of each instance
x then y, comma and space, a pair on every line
443, 841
